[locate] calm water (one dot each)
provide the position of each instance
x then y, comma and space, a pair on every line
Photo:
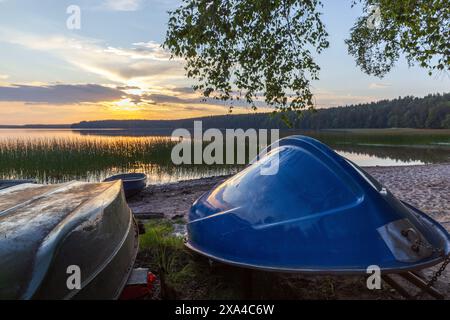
52, 156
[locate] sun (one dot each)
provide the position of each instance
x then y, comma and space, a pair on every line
124, 105
135, 91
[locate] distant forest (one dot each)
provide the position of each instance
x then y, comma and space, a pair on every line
431, 112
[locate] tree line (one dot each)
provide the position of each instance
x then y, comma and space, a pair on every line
429, 112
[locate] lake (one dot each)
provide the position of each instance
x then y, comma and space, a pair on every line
53, 156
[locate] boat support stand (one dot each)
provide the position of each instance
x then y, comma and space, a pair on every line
414, 279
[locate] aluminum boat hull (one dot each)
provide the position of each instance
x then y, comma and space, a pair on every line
47, 229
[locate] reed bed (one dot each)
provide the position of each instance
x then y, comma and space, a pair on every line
63, 149
93, 158
49, 159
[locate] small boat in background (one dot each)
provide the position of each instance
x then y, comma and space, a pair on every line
133, 183
11, 183
48, 232
304, 208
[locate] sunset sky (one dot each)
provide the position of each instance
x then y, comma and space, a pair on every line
114, 67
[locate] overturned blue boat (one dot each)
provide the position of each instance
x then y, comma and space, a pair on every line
133, 183
316, 212
11, 183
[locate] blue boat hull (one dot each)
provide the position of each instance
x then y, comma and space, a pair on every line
133, 183
319, 213
11, 183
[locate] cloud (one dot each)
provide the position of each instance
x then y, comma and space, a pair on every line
3, 76
193, 100
122, 5
127, 87
143, 64
187, 90
162, 99
134, 5
141, 51
60, 93
143, 71
374, 85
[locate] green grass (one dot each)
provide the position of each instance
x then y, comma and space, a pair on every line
186, 275
183, 273
165, 248
54, 159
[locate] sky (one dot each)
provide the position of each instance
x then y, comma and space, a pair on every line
113, 67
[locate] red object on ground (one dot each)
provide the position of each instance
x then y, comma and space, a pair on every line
139, 285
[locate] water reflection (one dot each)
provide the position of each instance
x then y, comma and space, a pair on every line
393, 155
367, 160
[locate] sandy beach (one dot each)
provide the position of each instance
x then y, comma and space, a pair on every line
427, 187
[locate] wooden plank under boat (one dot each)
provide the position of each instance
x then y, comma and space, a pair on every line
45, 229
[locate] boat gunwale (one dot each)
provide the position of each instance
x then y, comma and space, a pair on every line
133, 260
116, 177
132, 225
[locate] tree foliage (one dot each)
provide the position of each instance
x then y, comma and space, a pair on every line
252, 50
417, 29
428, 112
264, 49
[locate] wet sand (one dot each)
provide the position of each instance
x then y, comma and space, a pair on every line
425, 187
